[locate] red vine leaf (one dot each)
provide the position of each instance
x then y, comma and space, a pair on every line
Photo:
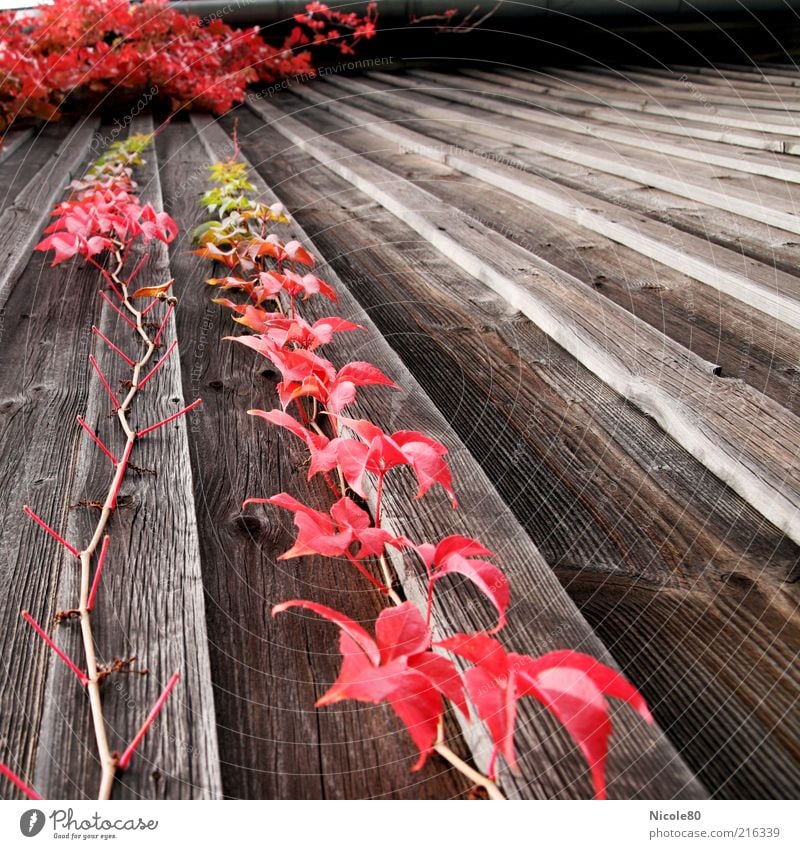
396, 667
571, 685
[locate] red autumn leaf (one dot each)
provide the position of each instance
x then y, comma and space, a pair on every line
396, 667
382, 452
322, 450
455, 555
571, 685
297, 253
212, 252
334, 390
330, 534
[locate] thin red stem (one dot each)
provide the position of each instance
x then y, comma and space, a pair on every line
137, 269
301, 411
97, 440
366, 574
332, 485
98, 571
104, 272
128, 753
121, 468
113, 347
56, 536
170, 418
103, 380
81, 676
150, 306
18, 782
117, 310
157, 366
167, 314
378, 498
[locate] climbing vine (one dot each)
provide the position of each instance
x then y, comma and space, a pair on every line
267, 279
100, 223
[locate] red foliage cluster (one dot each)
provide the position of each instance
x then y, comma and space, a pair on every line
95, 49
400, 665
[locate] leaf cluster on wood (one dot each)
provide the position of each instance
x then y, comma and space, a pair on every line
400, 664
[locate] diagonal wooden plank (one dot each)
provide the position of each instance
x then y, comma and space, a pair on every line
640, 533
774, 207
680, 251
151, 602
14, 140
22, 222
267, 673
617, 93
543, 616
641, 135
741, 436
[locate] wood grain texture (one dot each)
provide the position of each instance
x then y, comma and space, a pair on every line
615, 92
620, 511
733, 430
746, 239
571, 98
151, 602
23, 220
542, 617
655, 240
763, 162
769, 203
744, 343
268, 673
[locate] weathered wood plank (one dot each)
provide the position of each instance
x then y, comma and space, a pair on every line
740, 435
736, 84
745, 344
268, 673
641, 135
761, 199
614, 505
754, 251
572, 99
541, 617
27, 159
22, 222
13, 140
742, 74
616, 93
680, 251
657, 81
151, 602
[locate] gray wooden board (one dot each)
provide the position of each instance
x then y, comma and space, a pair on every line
570, 98
731, 428
760, 198
618, 93
642, 536
641, 134
151, 602
22, 221
267, 673
670, 84
536, 625
701, 320
764, 256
